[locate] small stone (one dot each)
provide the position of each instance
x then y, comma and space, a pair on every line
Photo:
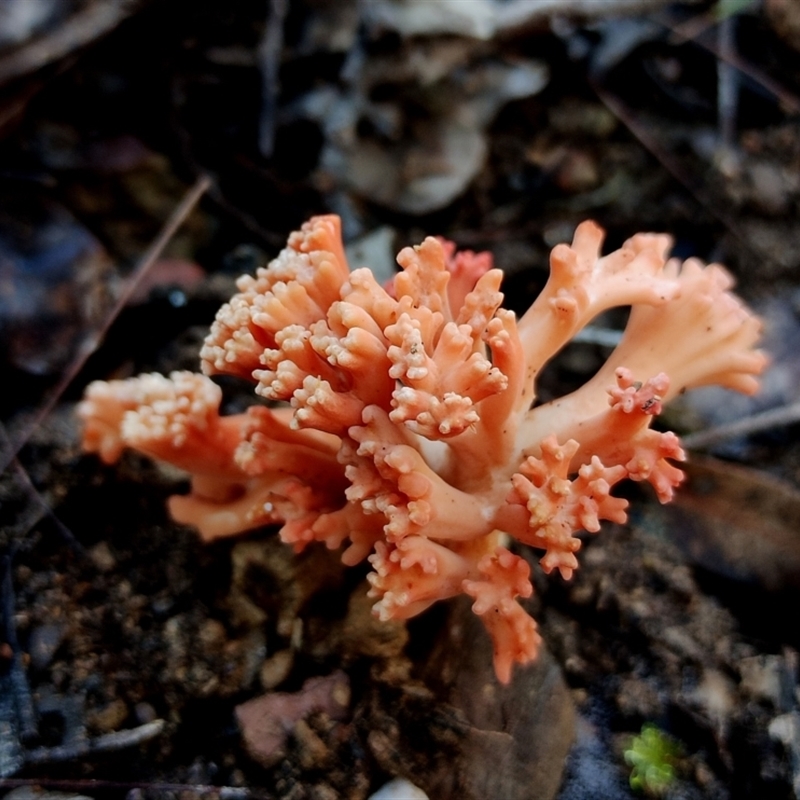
212, 636
574, 118
312, 752
399, 789
637, 697
266, 721
321, 791
682, 643
715, 696
784, 15
577, 172
44, 642
276, 669
110, 717
765, 677
102, 557
144, 713
770, 190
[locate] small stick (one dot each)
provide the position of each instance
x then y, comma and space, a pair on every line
594, 334
697, 33
92, 342
32, 493
774, 418
269, 60
81, 28
117, 740
622, 112
23, 702
79, 785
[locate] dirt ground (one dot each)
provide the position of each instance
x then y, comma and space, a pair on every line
127, 646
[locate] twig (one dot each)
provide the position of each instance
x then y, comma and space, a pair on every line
727, 89
766, 420
244, 219
602, 337
23, 702
78, 785
118, 740
700, 23
787, 99
680, 34
91, 343
650, 143
32, 493
269, 61
81, 28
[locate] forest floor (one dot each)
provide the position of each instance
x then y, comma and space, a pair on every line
127, 646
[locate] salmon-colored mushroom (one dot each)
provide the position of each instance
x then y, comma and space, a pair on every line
405, 428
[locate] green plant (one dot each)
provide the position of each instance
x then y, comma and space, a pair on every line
653, 754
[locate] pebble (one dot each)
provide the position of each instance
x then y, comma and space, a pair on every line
312, 752
766, 678
145, 713
110, 717
102, 557
266, 721
276, 669
771, 189
44, 642
399, 789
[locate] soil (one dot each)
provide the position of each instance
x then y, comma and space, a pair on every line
118, 621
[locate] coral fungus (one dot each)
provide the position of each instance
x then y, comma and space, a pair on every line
402, 424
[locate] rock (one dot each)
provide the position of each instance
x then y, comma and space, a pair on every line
769, 678
485, 19
145, 713
44, 642
724, 509
399, 789
110, 717
312, 752
784, 15
715, 697
421, 150
102, 557
461, 734
786, 729
267, 721
573, 117
22, 19
276, 669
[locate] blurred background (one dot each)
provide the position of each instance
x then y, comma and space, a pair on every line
499, 123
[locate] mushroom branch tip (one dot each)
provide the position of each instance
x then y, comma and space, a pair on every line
403, 426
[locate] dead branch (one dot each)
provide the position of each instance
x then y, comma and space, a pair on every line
91, 343
81, 28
